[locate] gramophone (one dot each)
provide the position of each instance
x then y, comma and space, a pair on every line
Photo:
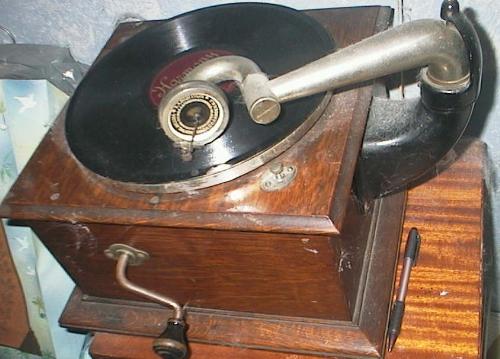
205, 175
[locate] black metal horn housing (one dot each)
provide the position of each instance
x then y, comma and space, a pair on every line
405, 140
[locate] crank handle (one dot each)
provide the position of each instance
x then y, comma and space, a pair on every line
171, 344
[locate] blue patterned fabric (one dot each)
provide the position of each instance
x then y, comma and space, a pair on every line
27, 109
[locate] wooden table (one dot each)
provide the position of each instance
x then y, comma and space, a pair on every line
444, 312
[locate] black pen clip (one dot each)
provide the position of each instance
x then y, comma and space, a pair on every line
413, 246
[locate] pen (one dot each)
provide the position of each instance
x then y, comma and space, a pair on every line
398, 309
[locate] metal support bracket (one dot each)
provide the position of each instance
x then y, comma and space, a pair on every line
135, 256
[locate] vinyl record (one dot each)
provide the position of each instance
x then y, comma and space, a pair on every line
112, 123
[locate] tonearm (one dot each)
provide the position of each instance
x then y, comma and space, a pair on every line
400, 146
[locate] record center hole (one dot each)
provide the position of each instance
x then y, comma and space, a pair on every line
195, 114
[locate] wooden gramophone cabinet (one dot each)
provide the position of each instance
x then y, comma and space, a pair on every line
304, 269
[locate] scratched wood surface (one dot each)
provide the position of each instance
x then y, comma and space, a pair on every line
444, 312
15, 331
222, 270
247, 328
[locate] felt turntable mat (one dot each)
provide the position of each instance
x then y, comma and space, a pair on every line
112, 125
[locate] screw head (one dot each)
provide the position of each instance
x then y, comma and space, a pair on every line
276, 168
449, 8
277, 177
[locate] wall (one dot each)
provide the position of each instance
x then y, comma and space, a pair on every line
84, 26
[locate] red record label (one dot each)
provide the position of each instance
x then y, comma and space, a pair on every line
173, 73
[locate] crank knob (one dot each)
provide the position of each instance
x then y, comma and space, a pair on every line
171, 344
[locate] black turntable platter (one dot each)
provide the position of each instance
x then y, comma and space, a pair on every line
112, 123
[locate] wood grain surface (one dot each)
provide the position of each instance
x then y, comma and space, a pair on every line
15, 331
444, 313
275, 273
